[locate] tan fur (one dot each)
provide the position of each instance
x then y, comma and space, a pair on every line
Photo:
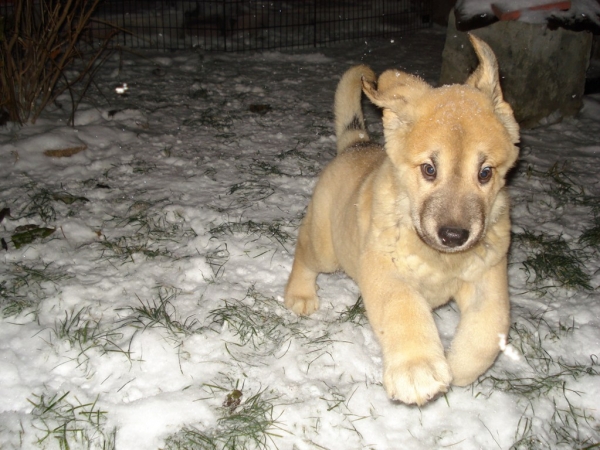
411, 241
349, 121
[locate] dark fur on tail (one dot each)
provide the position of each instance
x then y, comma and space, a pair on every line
349, 121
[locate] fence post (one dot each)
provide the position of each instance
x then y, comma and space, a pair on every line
224, 25
315, 23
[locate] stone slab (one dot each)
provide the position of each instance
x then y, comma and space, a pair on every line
542, 71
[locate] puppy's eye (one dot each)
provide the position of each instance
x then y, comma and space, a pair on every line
485, 174
428, 171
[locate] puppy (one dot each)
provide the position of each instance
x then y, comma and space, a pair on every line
417, 222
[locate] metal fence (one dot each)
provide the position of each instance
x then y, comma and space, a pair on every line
238, 25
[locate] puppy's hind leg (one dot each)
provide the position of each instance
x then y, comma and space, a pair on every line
314, 255
301, 290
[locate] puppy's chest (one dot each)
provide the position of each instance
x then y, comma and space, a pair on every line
437, 277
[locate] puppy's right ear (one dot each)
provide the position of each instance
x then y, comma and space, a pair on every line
486, 78
396, 93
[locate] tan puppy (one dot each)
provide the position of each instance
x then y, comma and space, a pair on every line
418, 222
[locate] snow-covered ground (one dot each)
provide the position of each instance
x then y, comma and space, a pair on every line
152, 317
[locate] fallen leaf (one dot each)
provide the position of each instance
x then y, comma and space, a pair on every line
68, 199
3, 213
260, 109
65, 152
30, 234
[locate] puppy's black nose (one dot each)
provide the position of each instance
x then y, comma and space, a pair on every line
453, 237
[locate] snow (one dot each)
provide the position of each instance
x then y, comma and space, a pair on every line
187, 200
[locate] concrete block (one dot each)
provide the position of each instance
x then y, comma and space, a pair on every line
542, 70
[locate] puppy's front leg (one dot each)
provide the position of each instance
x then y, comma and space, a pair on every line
415, 369
485, 316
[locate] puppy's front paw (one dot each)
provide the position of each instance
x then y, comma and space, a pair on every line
417, 381
302, 305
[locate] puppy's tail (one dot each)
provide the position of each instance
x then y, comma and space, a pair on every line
349, 120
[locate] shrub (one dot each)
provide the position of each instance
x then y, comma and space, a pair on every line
41, 43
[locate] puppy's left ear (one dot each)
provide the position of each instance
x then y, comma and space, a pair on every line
486, 78
397, 93
394, 89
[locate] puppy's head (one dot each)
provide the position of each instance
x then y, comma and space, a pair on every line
451, 148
